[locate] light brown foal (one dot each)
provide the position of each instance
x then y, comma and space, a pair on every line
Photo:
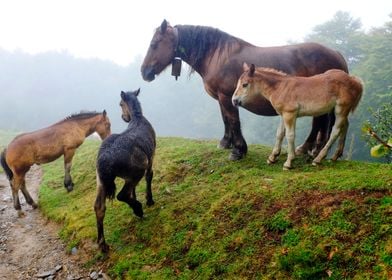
294, 97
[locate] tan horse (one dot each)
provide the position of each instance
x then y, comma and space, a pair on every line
46, 145
294, 97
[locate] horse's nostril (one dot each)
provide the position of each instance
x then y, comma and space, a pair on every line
148, 74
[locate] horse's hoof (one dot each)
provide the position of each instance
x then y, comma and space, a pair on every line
315, 163
271, 161
69, 188
104, 248
336, 157
150, 202
21, 214
286, 167
224, 144
235, 156
34, 205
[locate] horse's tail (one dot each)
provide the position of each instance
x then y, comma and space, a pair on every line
357, 86
107, 180
5, 166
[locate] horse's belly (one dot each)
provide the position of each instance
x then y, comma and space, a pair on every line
47, 156
315, 110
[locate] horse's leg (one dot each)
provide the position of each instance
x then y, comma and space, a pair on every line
100, 208
226, 141
336, 130
289, 123
323, 135
128, 195
318, 124
342, 139
149, 175
15, 183
27, 195
232, 115
280, 132
68, 155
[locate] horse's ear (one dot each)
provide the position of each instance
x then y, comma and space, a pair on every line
252, 70
245, 66
137, 92
163, 26
122, 95
104, 113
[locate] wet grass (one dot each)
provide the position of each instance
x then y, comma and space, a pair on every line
217, 219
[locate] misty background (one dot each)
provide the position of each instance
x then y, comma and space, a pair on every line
37, 90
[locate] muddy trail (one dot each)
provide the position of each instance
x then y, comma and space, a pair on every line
29, 246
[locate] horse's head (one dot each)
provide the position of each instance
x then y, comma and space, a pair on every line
161, 51
130, 105
245, 86
103, 126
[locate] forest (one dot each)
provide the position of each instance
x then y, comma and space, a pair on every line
38, 90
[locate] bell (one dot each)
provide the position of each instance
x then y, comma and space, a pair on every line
176, 67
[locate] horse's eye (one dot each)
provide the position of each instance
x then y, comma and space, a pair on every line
154, 45
245, 85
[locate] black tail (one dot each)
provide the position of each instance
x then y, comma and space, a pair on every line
5, 166
107, 179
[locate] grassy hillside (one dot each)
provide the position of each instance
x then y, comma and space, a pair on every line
218, 219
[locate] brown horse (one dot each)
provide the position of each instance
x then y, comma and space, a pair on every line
218, 58
294, 97
46, 145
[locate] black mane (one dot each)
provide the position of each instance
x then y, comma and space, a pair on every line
134, 104
195, 43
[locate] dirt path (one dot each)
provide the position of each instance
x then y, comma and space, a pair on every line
29, 246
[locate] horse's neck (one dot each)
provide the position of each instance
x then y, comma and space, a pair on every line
87, 126
267, 84
135, 109
200, 56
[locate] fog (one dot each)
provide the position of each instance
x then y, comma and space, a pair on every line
37, 90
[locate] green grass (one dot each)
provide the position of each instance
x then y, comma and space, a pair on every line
217, 219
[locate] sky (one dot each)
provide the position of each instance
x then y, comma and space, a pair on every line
120, 31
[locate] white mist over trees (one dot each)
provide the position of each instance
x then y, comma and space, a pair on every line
38, 90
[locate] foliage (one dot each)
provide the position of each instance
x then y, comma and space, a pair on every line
341, 33
379, 129
217, 219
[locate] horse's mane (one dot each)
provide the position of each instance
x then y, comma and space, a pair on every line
271, 71
136, 108
270, 76
81, 116
197, 42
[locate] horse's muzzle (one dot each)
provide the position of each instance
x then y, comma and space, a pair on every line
236, 102
148, 73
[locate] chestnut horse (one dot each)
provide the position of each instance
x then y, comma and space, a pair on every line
218, 57
46, 145
294, 97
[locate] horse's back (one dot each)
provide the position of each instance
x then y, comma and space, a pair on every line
130, 150
305, 59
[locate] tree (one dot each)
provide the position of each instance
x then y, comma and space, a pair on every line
379, 130
342, 33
